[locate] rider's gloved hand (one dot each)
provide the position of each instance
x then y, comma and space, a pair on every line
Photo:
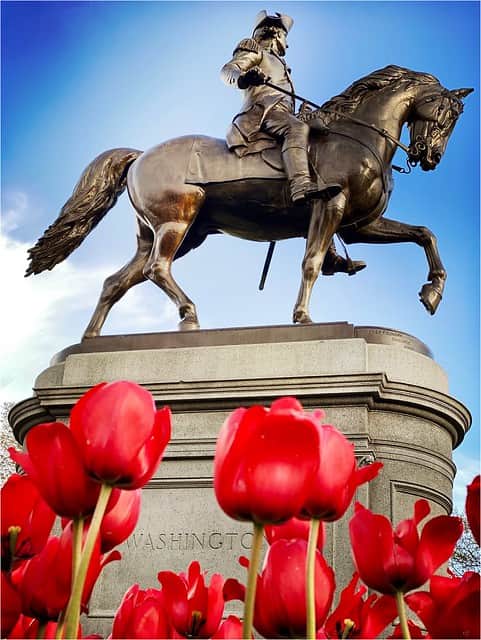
252, 78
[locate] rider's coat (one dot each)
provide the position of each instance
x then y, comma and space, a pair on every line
258, 100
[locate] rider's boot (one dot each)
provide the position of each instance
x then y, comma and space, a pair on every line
334, 263
302, 187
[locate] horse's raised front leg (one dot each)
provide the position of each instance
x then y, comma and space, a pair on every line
116, 285
325, 220
171, 218
383, 231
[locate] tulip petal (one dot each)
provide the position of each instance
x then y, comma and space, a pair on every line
112, 423
367, 473
229, 462
150, 622
473, 507
437, 542
287, 404
10, 600
175, 593
376, 615
233, 590
280, 463
53, 456
143, 467
22, 506
421, 603
230, 629
23, 460
331, 490
373, 548
214, 606
120, 519
295, 528
421, 510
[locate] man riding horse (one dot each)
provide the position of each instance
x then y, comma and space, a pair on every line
267, 115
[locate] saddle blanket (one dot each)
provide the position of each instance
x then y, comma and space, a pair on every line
211, 161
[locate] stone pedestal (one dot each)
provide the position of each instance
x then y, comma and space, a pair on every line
380, 387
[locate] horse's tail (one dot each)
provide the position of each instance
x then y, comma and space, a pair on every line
95, 194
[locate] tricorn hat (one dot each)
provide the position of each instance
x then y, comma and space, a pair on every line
279, 20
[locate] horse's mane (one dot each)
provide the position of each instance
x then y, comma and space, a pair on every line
391, 76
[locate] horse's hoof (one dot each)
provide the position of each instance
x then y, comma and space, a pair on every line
301, 317
430, 297
188, 325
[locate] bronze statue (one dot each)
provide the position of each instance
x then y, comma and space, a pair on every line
267, 113
190, 187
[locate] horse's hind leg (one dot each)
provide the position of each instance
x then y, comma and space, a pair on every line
170, 221
116, 285
325, 220
383, 231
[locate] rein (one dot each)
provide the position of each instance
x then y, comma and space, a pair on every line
381, 132
311, 115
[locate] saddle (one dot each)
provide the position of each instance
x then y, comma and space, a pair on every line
212, 161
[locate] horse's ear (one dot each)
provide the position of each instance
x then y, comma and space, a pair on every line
461, 93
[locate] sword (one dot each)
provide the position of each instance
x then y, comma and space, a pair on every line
272, 244
267, 263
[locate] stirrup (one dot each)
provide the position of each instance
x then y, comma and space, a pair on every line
313, 191
324, 191
338, 264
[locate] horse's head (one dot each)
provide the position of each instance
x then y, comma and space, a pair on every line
431, 122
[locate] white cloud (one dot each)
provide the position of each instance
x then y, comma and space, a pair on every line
467, 468
43, 314
15, 206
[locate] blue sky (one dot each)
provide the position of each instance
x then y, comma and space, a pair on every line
81, 77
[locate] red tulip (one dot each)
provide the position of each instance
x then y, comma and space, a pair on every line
230, 629
11, 606
28, 629
52, 457
120, 434
370, 615
22, 506
400, 560
120, 519
472, 507
294, 529
280, 609
44, 582
264, 461
451, 607
194, 609
333, 488
415, 632
141, 614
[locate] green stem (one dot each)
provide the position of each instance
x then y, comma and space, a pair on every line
401, 609
252, 581
60, 623
77, 527
72, 614
310, 579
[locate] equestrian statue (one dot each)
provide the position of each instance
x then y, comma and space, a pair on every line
323, 171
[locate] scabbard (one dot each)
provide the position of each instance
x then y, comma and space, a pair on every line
267, 263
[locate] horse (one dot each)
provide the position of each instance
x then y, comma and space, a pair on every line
353, 138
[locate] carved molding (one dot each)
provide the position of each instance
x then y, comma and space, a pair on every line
413, 489
373, 391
